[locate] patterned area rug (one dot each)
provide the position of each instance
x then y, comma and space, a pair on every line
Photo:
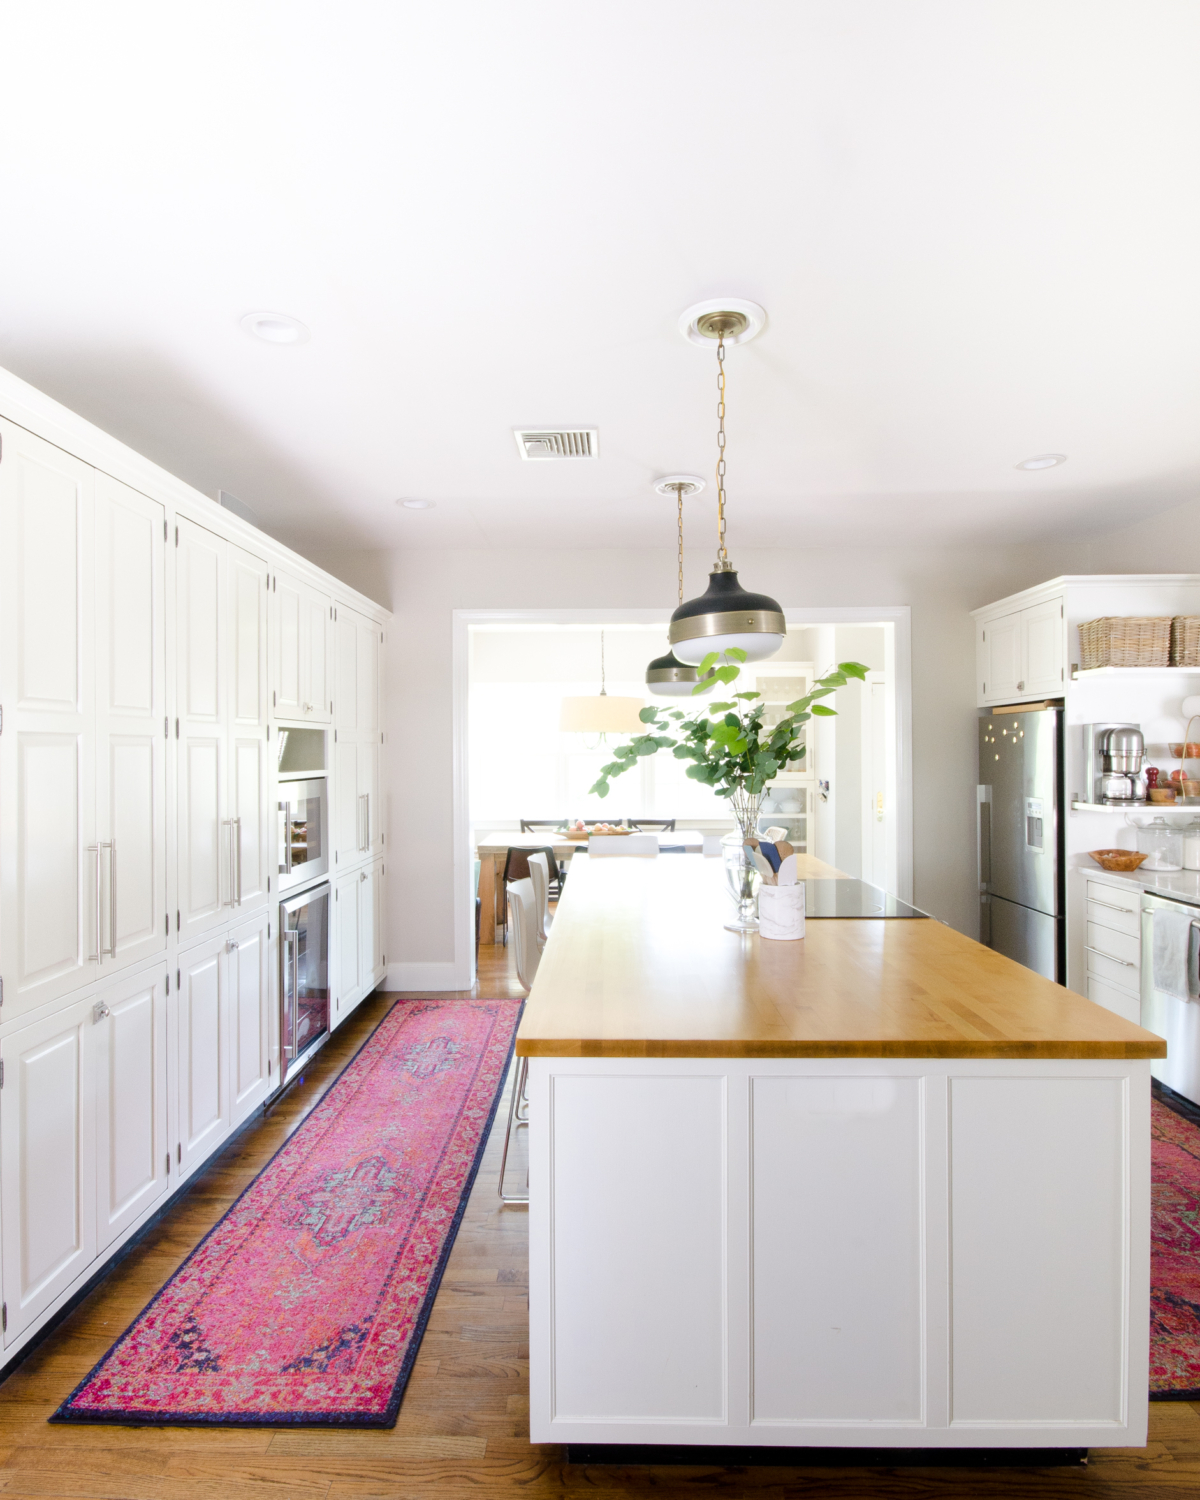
306, 1303
1175, 1252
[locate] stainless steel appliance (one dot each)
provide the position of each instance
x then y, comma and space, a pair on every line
1021, 857
303, 832
1112, 758
1169, 1016
303, 976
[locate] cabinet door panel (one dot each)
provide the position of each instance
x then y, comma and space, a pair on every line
248, 805
132, 790
368, 917
248, 599
201, 607
289, 612
368, 677
345, 651
347, 811
202, 732
316, 641
348, 990
1003, 657
202, 844
249, 999
1044, 670
368, 789
48, 1180
47, 778
203, 1055
131, 1104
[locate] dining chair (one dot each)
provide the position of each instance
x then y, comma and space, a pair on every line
521, 898
653, 825
639, 845
534, 825
516, 867
539, 873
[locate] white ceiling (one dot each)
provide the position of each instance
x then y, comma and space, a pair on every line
974, 227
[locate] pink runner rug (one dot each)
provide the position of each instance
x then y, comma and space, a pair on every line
306, 1303
1174, 1256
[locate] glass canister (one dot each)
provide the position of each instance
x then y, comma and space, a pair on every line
1191, 845
1162, 844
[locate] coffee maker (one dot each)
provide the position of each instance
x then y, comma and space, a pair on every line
1113, 756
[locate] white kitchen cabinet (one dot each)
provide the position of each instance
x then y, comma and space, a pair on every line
358, 811
221, 640
131, 725
48, 925
360, 961
252, 1068
129, 1051
202, 1054
47, 1162
303, 616
1022, 654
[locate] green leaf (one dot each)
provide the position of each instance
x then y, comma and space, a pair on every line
726, 674
709, 663
853, 669
600, 788
664, 741
736, 653
746, 697
648, 714
697, 773
738, 747
827, 713
719, 708
623, 752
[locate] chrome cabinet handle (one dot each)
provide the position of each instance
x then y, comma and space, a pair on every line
237, 824
1108, 906
1129, 964
94, 851
362, 797
112, 898
367, 841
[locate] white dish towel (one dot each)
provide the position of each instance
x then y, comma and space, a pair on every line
1172, 933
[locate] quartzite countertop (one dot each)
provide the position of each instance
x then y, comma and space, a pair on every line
639, 965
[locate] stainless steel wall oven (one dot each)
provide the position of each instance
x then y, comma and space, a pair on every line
303, 832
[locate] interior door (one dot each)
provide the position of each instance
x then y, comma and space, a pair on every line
202, 1037
131, 724
202, 699
133, 1157
48, 928
249, 823
47, 1148
249, 981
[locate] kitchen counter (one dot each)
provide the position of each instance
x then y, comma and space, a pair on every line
754, 1164
640, 965
1183, 885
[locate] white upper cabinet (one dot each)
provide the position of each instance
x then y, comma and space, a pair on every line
131, 723
303, 616
1021, 655
221, 640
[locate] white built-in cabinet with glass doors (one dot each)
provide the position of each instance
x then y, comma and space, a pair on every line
147, 645
788, 802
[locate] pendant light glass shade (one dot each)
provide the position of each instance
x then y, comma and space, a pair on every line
601, 715
727, 615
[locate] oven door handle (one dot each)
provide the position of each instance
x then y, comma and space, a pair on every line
287, 837
288, 1041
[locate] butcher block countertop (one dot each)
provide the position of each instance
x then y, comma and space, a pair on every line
639, 964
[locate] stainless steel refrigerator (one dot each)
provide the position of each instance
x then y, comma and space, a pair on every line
1021, 863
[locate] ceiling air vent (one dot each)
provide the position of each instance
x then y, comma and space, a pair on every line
581, 442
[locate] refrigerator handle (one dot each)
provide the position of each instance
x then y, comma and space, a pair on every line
984, 798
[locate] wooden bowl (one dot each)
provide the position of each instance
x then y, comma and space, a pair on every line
1162, 794
1125, 860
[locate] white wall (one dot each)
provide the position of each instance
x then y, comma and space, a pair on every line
424, 587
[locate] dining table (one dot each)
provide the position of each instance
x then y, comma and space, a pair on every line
491, 850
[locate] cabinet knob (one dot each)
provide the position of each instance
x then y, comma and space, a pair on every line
100, 1012
231, 946
1020, 687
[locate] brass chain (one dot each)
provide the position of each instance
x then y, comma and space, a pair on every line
603, 688
722, 553
679, 488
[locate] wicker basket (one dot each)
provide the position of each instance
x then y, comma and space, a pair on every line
1125, 641
1185, 641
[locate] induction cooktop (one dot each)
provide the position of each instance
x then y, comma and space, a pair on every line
853, 898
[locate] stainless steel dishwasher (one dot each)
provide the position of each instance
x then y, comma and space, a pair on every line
1168, 1016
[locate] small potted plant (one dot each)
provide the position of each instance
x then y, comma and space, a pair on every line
733, 753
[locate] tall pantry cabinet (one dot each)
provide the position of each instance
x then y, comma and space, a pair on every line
144, 669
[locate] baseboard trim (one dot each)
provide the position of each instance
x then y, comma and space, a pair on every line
440, 976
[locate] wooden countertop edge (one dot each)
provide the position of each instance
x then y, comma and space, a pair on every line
1014, 1051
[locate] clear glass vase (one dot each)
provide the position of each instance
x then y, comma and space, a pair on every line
741, 875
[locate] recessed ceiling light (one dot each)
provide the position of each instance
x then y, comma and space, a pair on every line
1043, 461
417, 504
275, 328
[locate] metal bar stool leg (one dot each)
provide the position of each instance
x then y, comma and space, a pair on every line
514, 1123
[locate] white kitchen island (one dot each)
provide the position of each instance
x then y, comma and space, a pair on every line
882, 1187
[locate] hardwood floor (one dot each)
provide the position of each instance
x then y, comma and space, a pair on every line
462, 1428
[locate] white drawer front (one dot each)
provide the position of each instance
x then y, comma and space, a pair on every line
1127, 899
1114, 918
1114, 944
1114, 970
1129, 1007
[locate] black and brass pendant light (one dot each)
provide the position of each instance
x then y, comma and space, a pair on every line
725, 615
667, 676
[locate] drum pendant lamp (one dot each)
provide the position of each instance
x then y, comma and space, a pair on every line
725, 615
667, 676
602, 714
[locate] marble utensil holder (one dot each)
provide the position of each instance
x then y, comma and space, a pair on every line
781, 912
